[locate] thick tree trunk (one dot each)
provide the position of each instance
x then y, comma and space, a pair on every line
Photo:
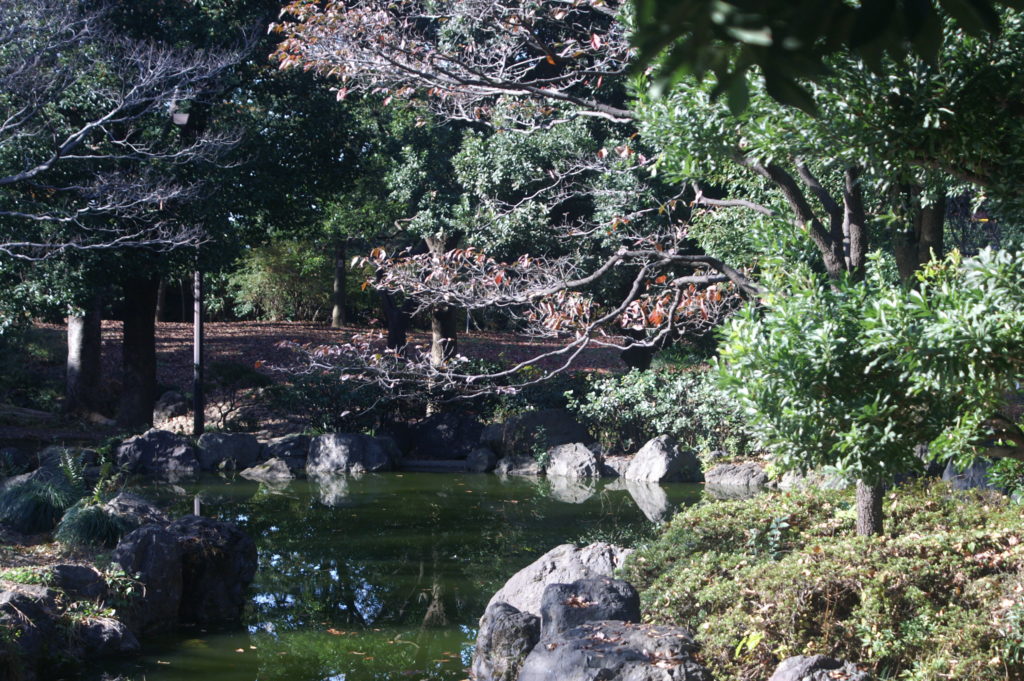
923, 240
83, 362
138, 370
338, 318
444, 331
198, 396
869, 508
396, 318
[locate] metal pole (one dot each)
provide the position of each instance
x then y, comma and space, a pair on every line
198, 402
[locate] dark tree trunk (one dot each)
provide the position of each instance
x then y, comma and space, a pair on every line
922, 240
161, 301
869, 508
444, 331
198, 397
338, 318
396, 318
444, 327
83, 362
138, 369
636, 357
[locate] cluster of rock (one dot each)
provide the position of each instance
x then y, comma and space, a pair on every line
192, 571
569, 619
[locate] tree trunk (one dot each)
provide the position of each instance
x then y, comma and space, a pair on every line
396, 318
869, 508
161, 301
923, 239
138, 369
198, 397
83, 362
338, 318
444, 331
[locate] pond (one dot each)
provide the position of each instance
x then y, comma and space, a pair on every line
383, 577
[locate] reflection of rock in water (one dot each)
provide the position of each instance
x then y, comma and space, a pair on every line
333, 489
569, 490
649, 496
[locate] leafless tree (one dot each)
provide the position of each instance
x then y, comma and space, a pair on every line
87, 143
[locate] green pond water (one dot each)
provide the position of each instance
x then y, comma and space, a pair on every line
382, 577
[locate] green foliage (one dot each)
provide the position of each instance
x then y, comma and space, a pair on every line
333, 405
283, 280
36, 505
627, 410
26, 575
1008, 475
88, 524
31, 367
941, 599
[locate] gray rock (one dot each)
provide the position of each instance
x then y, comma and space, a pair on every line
542, 429
506, 636
563, 564
448, 435
218, 562
135, 510
274, 470
735, 480
661, 460
338, 454
153, 554
974, 476
817, 668
292, 449
571, 490
481, 460
170, 405
28, 617
158, 453
615, 651
573, 461
492, 436
80, 582
105, 636
518, 465
614, 466
236, 450
565, 606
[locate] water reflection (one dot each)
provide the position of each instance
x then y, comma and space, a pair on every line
384, 576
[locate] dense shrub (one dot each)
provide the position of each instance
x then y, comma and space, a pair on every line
940, 597
87, 523
625, 411
283, 280
332, 405
36, 505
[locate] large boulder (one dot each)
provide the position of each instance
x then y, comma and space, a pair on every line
817, 668
104, 636
272, 470
234, 451
974, 476
293, 449
537, 430
481, 460
448, 435
28, 620
218, 562
735, 480
80, 582
573, 461
615, 651
661, 460
339, 454
563, 564
135, 510
152, 553
506, 636
565, 606
158, 453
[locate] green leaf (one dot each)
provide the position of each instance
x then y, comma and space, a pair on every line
975, 16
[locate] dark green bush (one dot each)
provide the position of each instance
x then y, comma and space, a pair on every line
938, 597
332, 405
37, 505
